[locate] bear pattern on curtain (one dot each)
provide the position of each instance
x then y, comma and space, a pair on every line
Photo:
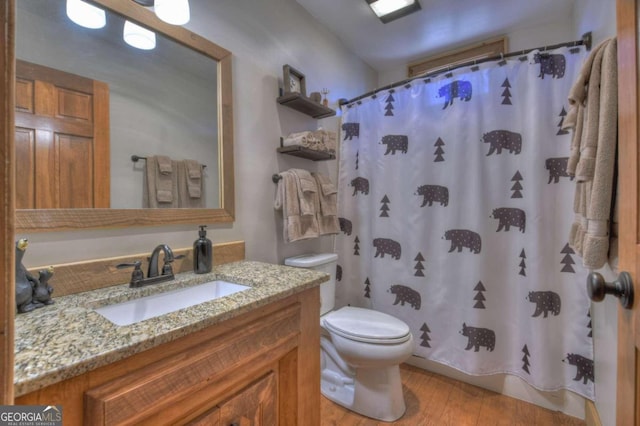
455, 210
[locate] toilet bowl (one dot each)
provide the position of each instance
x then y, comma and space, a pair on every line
361, 350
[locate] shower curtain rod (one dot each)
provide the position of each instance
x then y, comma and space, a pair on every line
586, 40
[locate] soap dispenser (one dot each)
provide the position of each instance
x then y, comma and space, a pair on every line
202, 253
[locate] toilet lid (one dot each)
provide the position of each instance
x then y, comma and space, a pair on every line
366, 325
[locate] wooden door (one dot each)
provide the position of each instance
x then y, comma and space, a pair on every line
61, 139
628, 406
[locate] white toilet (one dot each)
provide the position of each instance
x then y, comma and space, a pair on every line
361, 350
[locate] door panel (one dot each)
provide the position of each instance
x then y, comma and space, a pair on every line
74, 105
45, 171
67, 162
25, 141
24, 96
76, 176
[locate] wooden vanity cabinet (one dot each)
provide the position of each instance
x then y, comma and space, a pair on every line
255, 406
261, 368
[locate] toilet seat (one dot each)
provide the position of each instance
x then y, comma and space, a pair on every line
366, 325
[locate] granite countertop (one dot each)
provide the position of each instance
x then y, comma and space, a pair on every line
69, 338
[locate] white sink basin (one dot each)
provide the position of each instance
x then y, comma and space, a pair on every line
133, 311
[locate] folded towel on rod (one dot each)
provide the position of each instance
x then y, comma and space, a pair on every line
296, 225
191, 192
161, 183
164, 164
307, 191
194, 178
326, 209
194, 169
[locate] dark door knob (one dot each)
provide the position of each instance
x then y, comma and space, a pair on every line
622, 288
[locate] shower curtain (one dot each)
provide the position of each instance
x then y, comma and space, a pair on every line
455, 210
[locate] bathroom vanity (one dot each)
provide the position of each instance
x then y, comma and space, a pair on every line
251, 356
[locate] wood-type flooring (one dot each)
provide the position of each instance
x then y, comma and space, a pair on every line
434, 400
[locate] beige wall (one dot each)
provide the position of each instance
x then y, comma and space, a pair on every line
262, 36
521, 38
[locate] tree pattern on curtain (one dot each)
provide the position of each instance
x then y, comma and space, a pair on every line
454, 204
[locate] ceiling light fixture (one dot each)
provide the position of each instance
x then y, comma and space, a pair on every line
138, 37
390, 10
86, 15
174, 12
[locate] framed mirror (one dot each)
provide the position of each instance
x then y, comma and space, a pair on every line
184, 67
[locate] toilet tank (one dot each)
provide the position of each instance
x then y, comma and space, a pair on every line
324, 262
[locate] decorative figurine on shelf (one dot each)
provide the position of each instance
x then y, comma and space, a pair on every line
42, 291
25, 282
325, 101
316, 97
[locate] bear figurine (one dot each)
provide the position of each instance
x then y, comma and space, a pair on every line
25, 282
42, 291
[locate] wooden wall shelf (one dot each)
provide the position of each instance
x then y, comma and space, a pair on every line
305, 105
309, 154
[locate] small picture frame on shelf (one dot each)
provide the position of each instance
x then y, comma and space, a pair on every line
294, 81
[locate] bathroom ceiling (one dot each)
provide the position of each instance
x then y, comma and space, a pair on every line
440, 25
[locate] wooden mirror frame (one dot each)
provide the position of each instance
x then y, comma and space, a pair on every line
44, 220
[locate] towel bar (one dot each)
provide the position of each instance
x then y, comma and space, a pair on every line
275, 178
135, 158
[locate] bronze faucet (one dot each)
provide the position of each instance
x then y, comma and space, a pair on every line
153, 276
153, 261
